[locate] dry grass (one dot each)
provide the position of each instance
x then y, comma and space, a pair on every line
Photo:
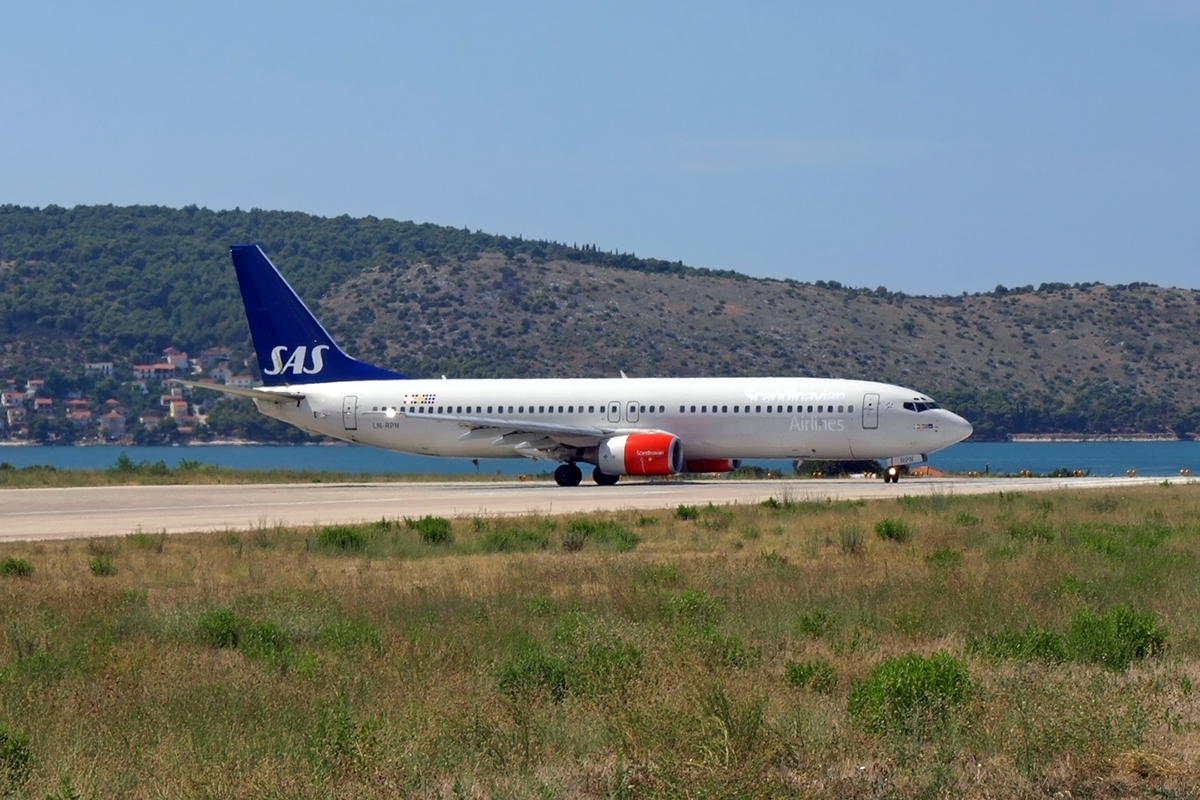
380, 673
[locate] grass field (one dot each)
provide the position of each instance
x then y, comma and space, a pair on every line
998, 646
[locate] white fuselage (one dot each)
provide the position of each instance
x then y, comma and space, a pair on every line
714, 418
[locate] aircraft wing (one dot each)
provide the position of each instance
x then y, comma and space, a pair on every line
518, 433
270, 395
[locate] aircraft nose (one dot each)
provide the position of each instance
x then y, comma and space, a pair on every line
957, 428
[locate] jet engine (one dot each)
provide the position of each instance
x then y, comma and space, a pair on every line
639, 454
713, 465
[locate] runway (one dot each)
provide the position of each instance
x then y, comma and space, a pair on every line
28, 514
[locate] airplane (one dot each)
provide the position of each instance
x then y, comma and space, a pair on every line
619, 426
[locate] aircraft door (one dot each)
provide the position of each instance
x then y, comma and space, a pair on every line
870, 412
614, 411
350, 412
632, 416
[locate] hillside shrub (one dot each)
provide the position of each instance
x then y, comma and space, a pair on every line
894, 530
910, 695
815, 622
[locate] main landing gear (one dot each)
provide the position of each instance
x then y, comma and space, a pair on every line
571, 475
568, 475
603, 478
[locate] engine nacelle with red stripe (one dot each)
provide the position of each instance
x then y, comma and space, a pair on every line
713, 465
640, 454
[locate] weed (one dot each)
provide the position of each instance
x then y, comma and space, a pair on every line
339, 745
102, 566
518, 539
140, 540
432, 530
773, 559
604, 532
850, 540
16, 762
816, 674
530, 672
1031, 531
910, 695
816, 622
16, 567
692, 608
646, 520
663, 575
351, 635
1030, 644
1116, 639
573, 540
716, 518
964, 519
720, 650
219, 628
944, 558
740, 726
895, 530
687, 512
1070, 585
342, 539
65, 790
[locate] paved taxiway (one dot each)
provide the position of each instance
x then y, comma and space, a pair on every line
114, 511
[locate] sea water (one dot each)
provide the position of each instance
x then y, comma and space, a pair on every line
1096, 458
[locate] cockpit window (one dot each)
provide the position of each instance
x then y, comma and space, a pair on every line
921, 406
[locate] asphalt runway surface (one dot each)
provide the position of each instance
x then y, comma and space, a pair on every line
28, 514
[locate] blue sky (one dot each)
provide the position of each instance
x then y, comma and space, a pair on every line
928, 147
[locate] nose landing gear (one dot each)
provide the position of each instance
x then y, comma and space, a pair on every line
891, 474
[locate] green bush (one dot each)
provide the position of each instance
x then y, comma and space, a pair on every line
816, 674
17, 567
102, 566
16, 763
433, 530
343, 538
1116, 639
910, 695
895, 530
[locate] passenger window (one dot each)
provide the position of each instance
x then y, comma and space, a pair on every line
704, 409
591, 409
850, 409
490, 409
724, 409
521, 409
642, 410
839, 409
820, 409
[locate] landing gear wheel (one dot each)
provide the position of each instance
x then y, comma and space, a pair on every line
603, 478
568, 475
892, 475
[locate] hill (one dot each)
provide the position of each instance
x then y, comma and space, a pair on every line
108, 283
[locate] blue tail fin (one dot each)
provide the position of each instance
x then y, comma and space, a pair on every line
292, 346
